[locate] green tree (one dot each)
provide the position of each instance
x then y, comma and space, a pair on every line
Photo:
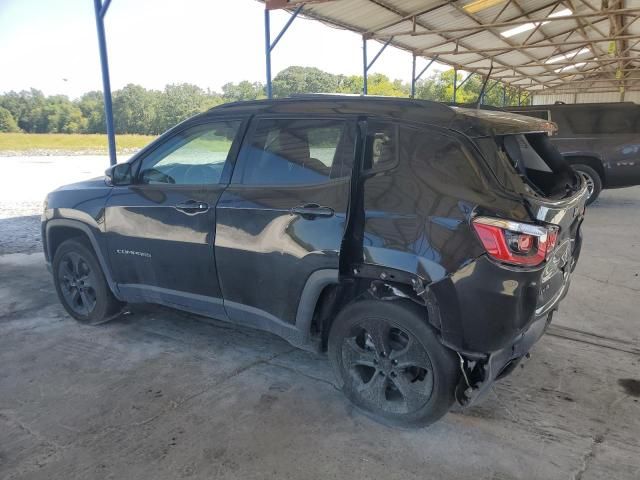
134, 109
92, 106
349, 84
62, 116
179, 102
379, 84
245, 90
26, 107
7, 122
439, 88
296, 80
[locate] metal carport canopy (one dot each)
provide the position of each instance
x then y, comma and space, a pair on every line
541, 46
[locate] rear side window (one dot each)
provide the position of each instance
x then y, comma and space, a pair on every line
296, 152
382, 145
440, 156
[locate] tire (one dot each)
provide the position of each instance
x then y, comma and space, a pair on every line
81, 286
593, 179
391, 364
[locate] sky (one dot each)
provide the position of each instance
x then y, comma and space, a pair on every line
52, 45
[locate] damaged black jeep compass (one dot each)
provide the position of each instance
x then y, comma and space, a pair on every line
424, 247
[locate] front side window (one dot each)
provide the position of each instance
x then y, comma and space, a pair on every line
296, 152
195, 156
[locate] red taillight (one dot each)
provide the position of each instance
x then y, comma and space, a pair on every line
514, 242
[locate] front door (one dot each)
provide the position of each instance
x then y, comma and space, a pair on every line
161, 229
283, 215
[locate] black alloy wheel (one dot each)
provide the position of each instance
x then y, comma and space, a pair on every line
77, 283
391, 363
389, 369
81, 285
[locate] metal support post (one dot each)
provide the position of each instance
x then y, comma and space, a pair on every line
415, 78
101, 10
269, 46
455, 84
267, 50
464, 81
366, 66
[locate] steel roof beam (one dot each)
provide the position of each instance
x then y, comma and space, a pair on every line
397, 12
562, 64
466, 51
511, 23
419, 13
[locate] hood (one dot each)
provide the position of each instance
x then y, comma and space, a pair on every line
477, 123
97, 182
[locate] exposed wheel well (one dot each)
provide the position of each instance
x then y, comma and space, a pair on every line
334, 297
593, 162
326, 307
57, 235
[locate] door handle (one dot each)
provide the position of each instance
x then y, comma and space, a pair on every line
192, 207
312, 210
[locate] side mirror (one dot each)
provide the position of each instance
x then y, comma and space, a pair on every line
119, 174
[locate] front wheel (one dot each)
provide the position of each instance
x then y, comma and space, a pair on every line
80, 284
391, 364
592, 179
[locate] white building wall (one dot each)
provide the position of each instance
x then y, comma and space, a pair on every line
585, 97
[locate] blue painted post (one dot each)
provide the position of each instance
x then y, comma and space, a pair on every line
365, 67
413, 77
267, 50
106, 83
455, 84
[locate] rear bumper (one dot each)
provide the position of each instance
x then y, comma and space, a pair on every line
477, 381
492, 315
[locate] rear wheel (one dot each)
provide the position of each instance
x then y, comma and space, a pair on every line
592, 179
80, 284
391, 364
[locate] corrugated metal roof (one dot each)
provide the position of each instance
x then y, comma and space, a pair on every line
601, 47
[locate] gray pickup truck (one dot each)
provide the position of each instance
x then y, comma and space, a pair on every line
600, 140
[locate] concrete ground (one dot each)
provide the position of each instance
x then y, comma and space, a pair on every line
162, 395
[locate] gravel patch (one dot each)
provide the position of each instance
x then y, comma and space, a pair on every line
20, 235
20, 227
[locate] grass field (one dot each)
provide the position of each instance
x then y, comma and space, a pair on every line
33, 142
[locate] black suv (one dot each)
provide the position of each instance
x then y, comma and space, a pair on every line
424, 247
599, 140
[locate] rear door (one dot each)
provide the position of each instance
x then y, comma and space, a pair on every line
161, 229
283, 215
